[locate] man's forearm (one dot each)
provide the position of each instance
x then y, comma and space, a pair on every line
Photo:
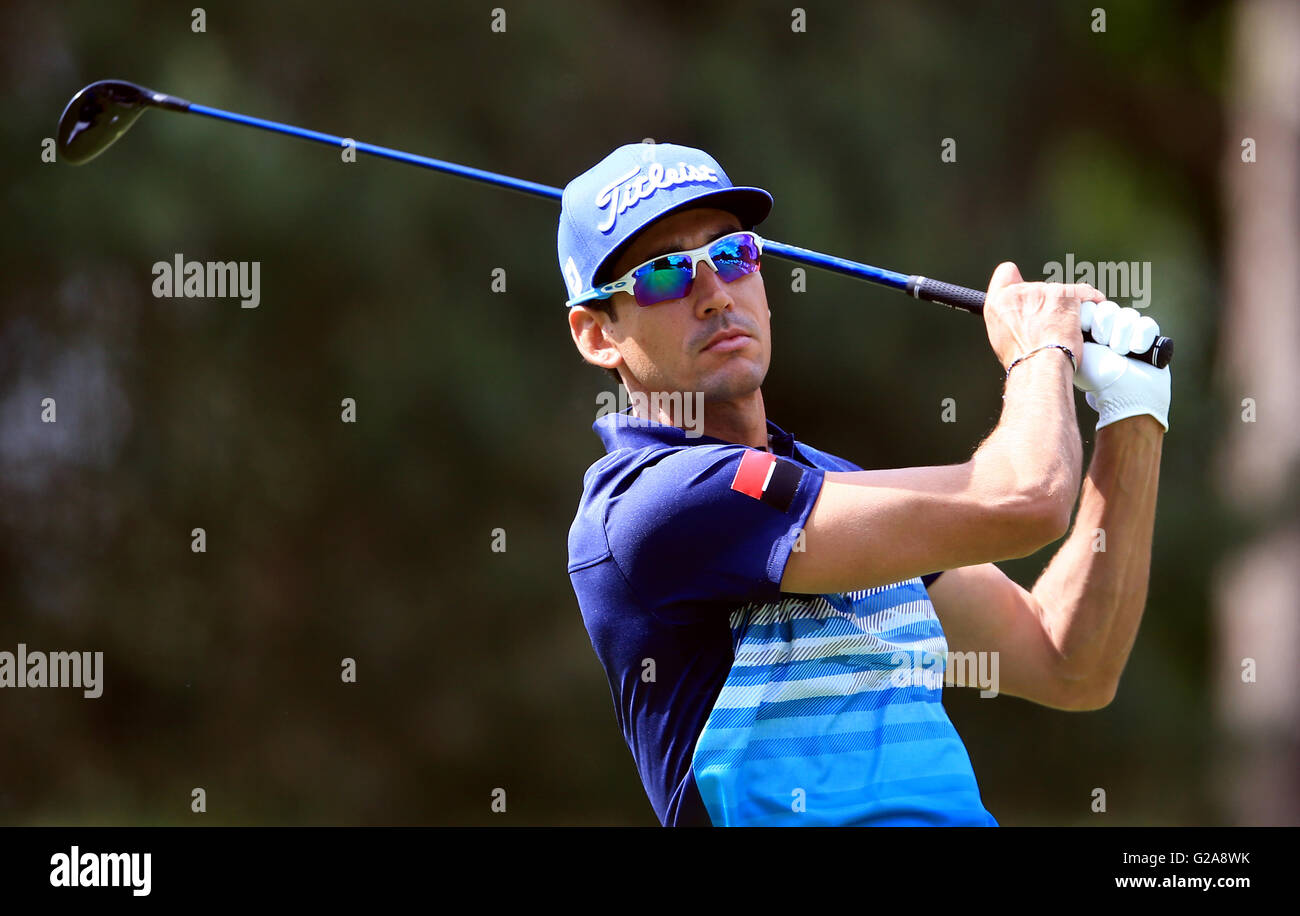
1036, 448
1094, 590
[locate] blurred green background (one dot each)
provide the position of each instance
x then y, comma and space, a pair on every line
372, 540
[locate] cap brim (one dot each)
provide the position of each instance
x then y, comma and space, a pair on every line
750, 205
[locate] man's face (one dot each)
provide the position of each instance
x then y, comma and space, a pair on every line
672, 346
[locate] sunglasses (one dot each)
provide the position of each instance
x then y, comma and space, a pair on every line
670, 276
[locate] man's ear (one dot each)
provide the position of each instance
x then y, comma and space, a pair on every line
590, 335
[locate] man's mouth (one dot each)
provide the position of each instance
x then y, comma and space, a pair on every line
725, 341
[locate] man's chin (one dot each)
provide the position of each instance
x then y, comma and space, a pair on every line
737, 379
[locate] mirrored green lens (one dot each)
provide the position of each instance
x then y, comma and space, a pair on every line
665, 278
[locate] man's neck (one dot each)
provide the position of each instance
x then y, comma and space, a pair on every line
742, 420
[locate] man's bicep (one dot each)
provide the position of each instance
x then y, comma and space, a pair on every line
981, 609
872, 528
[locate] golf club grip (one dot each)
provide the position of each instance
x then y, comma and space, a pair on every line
1159, 354
951, 295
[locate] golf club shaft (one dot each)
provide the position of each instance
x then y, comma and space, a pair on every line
451, 168
960, 297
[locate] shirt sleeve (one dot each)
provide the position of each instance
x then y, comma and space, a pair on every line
709, 524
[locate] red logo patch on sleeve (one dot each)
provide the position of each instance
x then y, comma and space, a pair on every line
753, 473
767, 478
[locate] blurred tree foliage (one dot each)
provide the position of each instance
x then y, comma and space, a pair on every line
372, 540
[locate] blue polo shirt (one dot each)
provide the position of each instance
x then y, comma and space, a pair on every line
743, 704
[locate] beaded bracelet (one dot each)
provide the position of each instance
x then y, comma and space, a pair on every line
1025, 356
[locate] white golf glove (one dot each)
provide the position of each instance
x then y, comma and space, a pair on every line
1118, 387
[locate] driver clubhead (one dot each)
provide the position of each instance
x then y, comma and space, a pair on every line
103, 111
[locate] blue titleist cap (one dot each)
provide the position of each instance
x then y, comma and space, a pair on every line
607, 205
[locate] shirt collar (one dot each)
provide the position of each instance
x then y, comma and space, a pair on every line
616, 430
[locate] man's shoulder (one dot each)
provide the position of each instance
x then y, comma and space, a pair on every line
643, 482
622, 468
659, 472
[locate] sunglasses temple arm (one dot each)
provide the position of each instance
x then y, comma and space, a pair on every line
589, 296
1159, 354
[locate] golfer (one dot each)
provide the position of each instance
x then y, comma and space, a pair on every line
775, 622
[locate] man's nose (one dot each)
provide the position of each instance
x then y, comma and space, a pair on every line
710, 292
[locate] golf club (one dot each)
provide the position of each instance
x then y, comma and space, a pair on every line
101, 112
